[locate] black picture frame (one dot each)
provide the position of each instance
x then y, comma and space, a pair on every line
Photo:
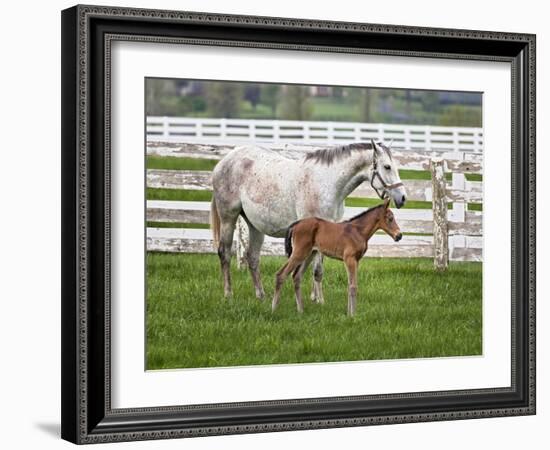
87, 416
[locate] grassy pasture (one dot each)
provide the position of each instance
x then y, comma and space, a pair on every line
405, 310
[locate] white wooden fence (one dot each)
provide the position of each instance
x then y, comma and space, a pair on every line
405, 137
464, 227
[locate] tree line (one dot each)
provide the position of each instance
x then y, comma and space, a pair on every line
191, 98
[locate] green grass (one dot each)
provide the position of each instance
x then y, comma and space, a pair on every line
404, 310
407, 174
361, 202
177, 163
475, 207
203, 196
328, 109
196, 195
474, 177
188, 195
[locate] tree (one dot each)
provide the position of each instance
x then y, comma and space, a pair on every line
366, 99
224, 99
295, 103
269, 95
252, 94
408, 101
158, 93
461, 116
431, 102
338, 91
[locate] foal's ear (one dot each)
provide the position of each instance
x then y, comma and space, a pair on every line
387, 202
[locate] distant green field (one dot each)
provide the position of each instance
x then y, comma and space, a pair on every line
177, 163
405, 310
182, 195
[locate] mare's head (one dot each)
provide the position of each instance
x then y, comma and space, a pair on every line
387, 223
385, 178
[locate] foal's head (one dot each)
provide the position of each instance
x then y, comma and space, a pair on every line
387, 223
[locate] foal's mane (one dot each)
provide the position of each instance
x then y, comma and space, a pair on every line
364, 213
329, 155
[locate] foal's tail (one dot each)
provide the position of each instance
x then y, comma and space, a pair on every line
288, 239
215, 223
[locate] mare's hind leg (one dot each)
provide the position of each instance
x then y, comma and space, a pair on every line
227, 228
255, 242
317, 291
297, 276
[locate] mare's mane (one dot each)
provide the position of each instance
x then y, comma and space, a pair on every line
329, 155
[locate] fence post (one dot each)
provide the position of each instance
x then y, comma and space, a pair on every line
223, 128
165, 127
439, 206
242, 243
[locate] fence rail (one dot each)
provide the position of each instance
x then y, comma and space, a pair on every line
464, 227
405, 137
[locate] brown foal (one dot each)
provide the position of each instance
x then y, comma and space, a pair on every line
346, 241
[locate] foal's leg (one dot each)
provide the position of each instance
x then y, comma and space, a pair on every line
281, 276
255, 242
227, 228
317, 291
297, 276
351, 266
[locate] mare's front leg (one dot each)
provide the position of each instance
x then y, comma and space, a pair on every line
351, 267
317, 291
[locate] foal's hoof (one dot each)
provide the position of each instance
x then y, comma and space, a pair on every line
260, 296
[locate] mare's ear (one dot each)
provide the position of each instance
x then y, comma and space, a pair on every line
387, 202
375, 147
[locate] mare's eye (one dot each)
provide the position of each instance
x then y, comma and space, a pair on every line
387, 167
390, 219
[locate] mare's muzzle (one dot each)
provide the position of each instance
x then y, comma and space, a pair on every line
396, 190
399, 197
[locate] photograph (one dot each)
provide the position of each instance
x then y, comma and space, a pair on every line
297, 223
